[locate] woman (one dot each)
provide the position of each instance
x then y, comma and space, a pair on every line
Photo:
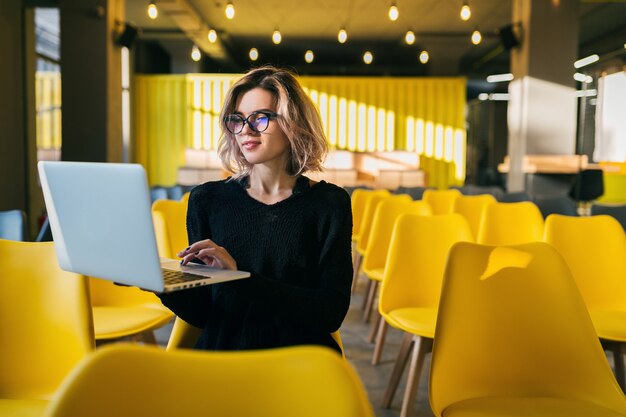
292, 234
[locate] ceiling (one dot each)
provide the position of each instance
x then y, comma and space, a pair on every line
313, 24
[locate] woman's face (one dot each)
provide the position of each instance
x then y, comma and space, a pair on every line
269, 147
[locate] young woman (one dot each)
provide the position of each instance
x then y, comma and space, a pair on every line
292, 234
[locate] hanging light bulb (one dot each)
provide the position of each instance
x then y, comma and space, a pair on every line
393, 12
409, 38
424, 57
476, 37
342, 36
230, 10
277, 37
212, 36
368, 57
254, 54
153, 12
195, 53
308, 56
466, 12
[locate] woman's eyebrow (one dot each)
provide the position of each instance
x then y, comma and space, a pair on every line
255, 111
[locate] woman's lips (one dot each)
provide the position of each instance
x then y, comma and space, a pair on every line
250, 144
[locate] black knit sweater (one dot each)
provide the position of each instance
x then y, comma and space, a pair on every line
298, 252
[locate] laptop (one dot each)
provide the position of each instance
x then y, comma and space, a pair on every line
101, 221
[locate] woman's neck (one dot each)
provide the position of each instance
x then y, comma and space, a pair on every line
270, 186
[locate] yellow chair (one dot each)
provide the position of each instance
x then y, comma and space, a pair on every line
358, 200
128, 311
372, 200
472, 207
46, 326
595, 250
441, 201
376, 255
143, 381
514, 338
185, 197
409, 295
185, 336
510, 224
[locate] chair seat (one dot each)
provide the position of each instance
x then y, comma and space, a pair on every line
418, 321
114, 322
528, 406
22, 408
375, 274
609, 324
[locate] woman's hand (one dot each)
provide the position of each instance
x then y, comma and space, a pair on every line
209, 253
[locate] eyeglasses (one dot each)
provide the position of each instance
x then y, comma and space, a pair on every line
258, 121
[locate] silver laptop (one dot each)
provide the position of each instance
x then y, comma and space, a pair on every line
101, 221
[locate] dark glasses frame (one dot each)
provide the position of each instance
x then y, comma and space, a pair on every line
246, 120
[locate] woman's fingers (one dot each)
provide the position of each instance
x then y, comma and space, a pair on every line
209, 253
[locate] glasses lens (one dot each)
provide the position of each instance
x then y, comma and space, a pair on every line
258, 122
234, 123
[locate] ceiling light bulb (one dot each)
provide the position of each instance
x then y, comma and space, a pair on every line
424, 57
254, 54
277, 37
212, 36
409, 38
342, 36
308, 56
586, 61
368, 57
195, 53
230, 11
153, 12
476, 37
393, 13
466, 12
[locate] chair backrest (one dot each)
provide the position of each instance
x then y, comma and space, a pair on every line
441, 201
385, 217
13, 225
512, 324
510, 224
472, 208
358, 200
617, 211
595, 250
417, 258
46, 325
373, 200
556, 205
170, 226
305, 381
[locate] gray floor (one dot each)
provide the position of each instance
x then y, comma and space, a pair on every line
354, 334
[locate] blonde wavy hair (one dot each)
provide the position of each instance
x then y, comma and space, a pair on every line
297, 117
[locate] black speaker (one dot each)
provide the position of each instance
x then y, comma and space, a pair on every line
127, 36
508, 37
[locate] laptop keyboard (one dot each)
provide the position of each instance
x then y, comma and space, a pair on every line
177, 277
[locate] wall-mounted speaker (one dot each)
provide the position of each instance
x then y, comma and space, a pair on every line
127, 36
508, 37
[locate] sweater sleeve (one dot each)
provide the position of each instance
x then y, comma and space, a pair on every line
192, 305
321, 309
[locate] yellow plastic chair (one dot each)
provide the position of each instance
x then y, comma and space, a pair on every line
510, 224
170, 225
185, 336
46, 326
185, 197
514, 338
143, 381
441, 201
409, 295
372, 200
376, 255
472, 207
358, 200
595, 251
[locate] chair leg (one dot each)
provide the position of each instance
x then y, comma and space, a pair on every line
374, 326
357, 266
396, 374
421, 347
380, 342
371, 296
366, 295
